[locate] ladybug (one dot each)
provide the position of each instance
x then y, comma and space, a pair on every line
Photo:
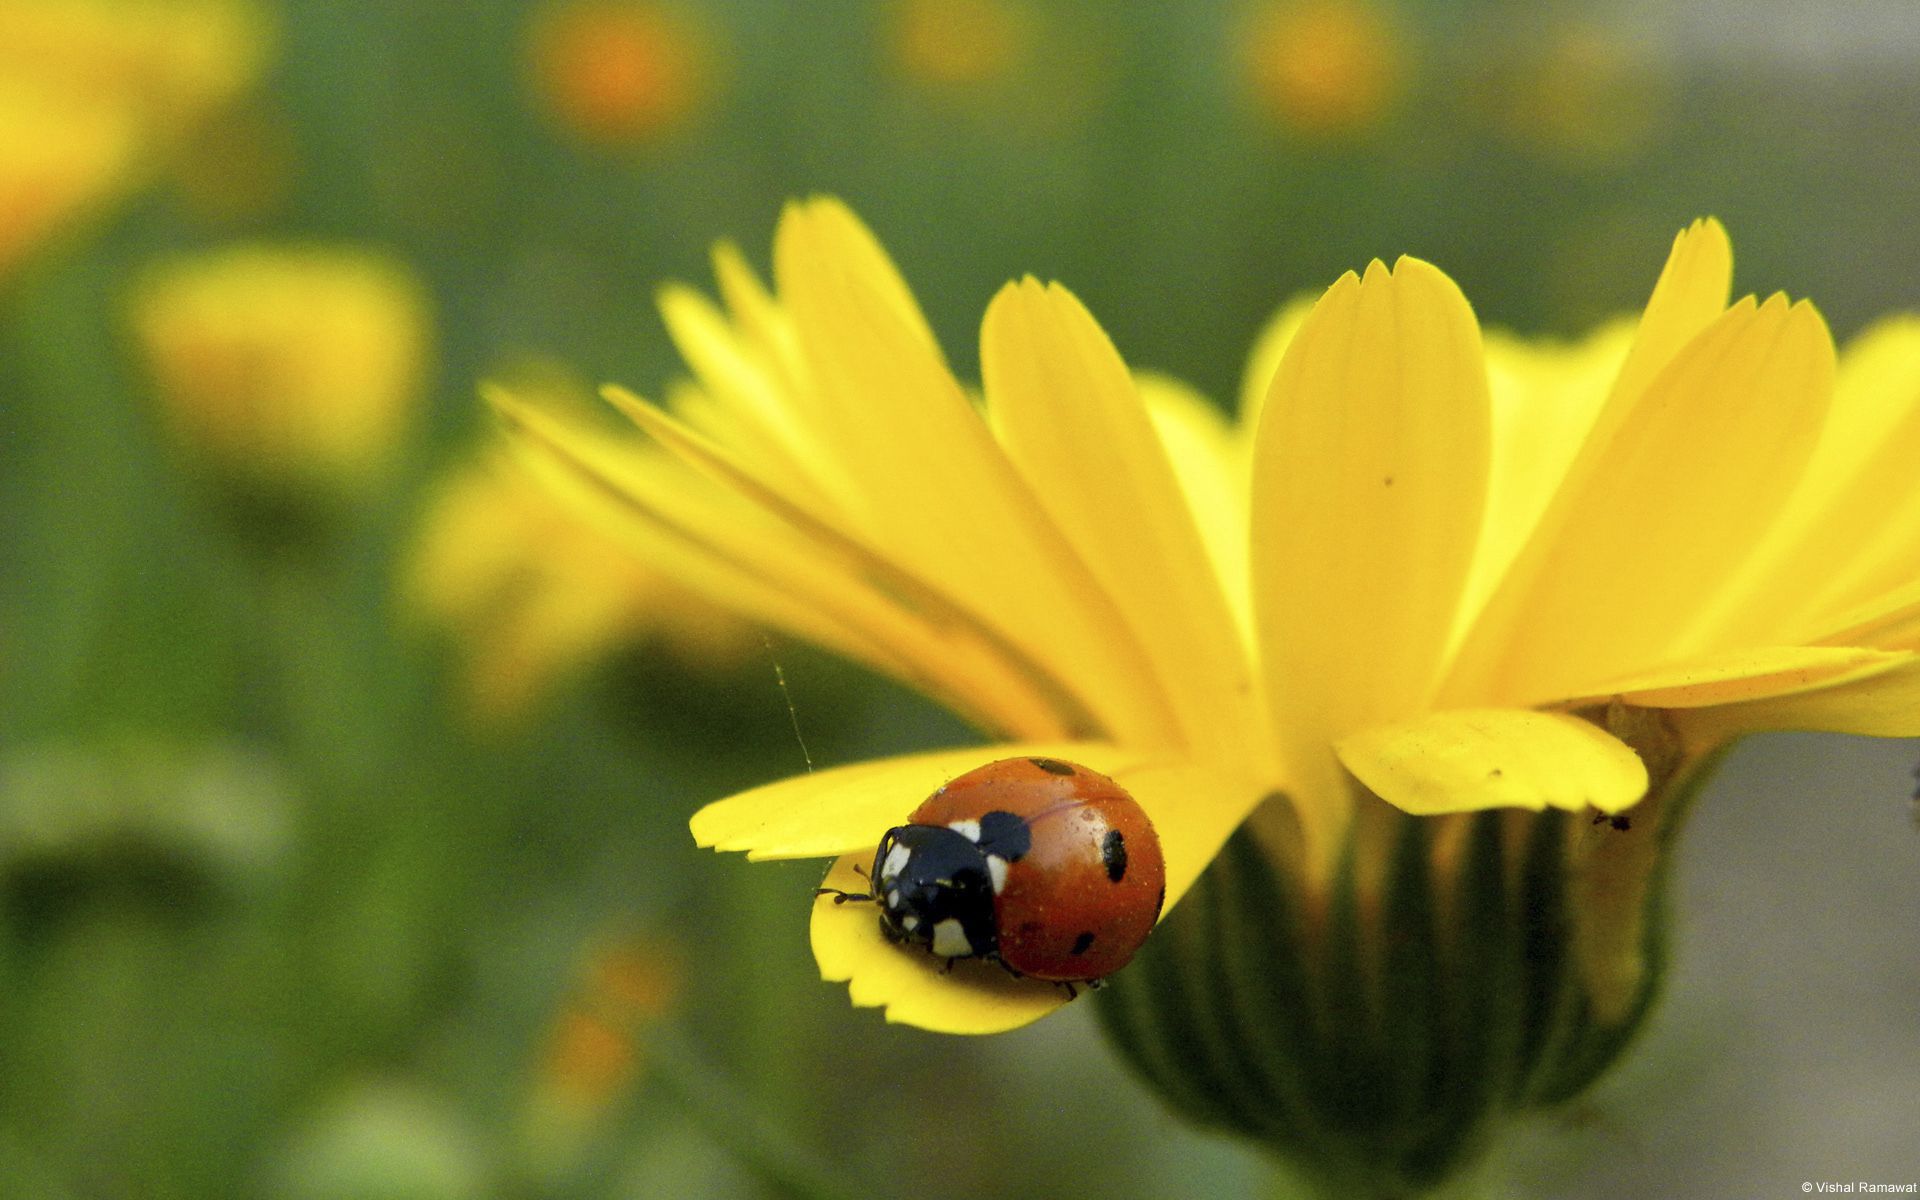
1046, 867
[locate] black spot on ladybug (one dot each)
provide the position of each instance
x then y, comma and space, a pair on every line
1113, 852
1005, 834
1052, 766
1082, 943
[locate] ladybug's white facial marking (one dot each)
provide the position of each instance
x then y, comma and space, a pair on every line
997, 871
896, 863
969, 830
950, 940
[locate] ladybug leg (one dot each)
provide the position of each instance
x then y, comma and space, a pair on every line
1071, 990
840, 897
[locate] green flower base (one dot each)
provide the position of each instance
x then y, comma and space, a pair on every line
1377, 1034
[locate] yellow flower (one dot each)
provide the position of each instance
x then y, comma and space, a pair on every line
620, 72
92, 91
538, 590
288, 368
1449, 573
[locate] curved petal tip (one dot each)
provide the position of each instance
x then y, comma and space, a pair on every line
917, 988
1469, 759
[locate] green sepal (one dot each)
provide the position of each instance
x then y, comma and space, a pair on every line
1376, 1034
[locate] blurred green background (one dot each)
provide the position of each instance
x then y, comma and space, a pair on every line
343, 803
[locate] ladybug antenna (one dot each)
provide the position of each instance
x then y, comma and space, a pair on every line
840, 897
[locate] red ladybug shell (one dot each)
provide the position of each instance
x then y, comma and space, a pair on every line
1086, 894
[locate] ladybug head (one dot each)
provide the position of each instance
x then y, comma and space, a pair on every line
935, 889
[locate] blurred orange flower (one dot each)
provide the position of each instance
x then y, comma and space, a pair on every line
591, 1055
619, 72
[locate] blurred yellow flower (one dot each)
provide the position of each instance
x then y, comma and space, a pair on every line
957, 43
287, 367
92, 92
1579, 93
58, 157
1324, 68
1449, 575
536, 590
620, 72
1010, 67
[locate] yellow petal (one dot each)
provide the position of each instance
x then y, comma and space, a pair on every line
827, 228
1370, 469
1691, 294
1193, 809
663, 512
957, 634
936, 491
1890, 621
1852, 527
1874, 427
748, 301
1627, 556
1750, 674
1885, 705
1466, 759
1269, 347
1068, 413
1211, 463
747, 550
1545, 400
769, 429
